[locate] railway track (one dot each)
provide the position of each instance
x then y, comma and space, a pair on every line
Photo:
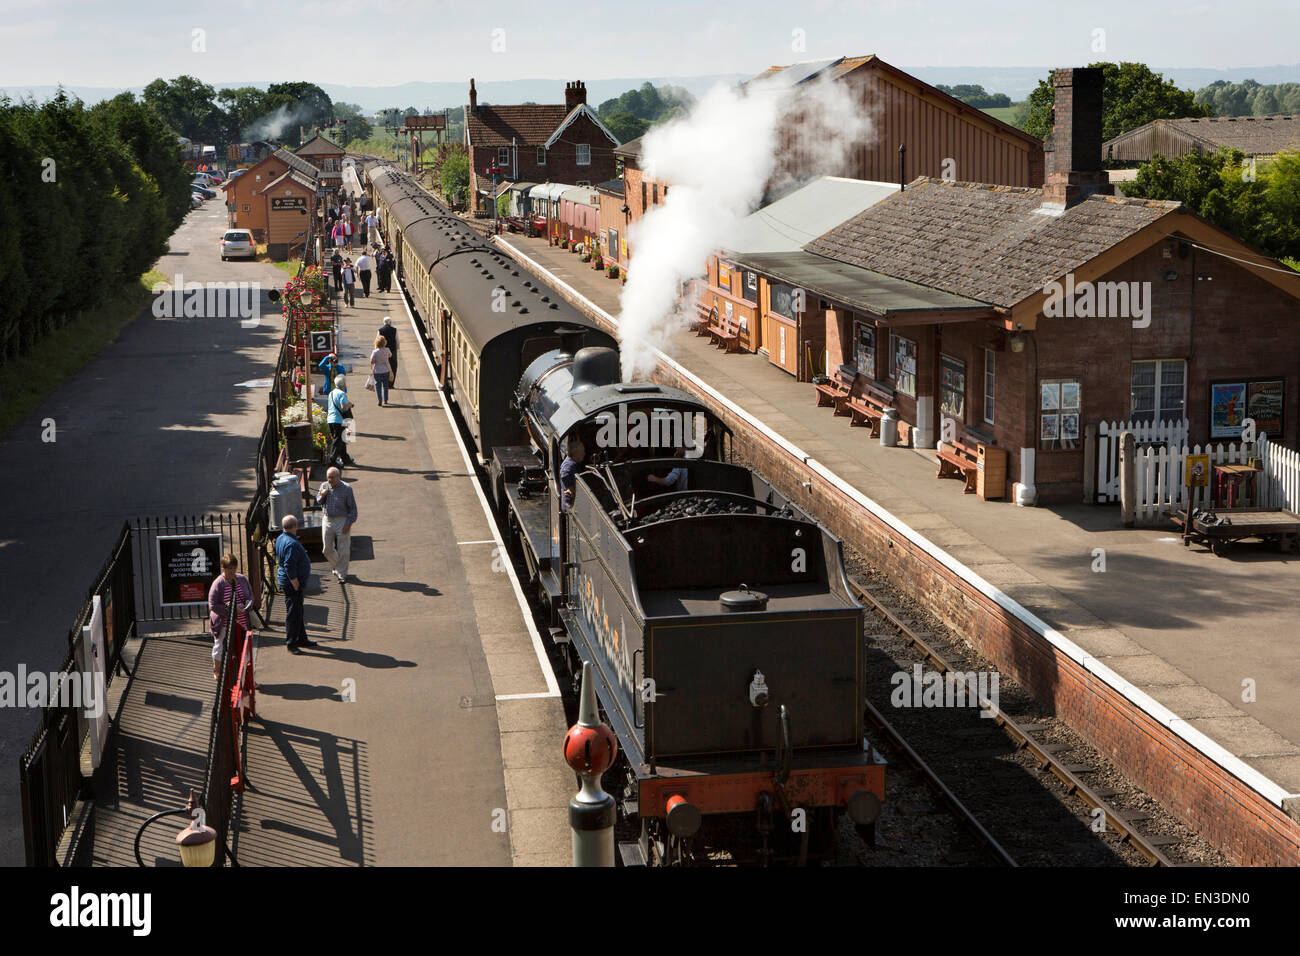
1045, 757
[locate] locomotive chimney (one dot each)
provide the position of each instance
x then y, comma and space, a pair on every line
1072, 151
571, 339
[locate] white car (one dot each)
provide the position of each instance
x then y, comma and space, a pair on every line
238, 244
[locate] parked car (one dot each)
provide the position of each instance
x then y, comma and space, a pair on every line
238, 244
216, 175
237, 172
195, 200
203, 190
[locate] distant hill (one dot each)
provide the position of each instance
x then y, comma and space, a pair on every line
1019, 81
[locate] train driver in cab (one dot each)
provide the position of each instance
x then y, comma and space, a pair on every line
569, 468
675, 480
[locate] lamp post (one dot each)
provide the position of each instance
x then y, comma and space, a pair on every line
590, 748
196, 842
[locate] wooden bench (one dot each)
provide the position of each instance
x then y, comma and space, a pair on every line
867, 402
703, 319
959, 460
835, 392
726, 334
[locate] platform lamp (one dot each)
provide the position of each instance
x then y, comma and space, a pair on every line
196, 842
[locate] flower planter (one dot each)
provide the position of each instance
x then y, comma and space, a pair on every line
612, 272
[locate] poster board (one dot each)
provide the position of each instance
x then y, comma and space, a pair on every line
92, 662
186, 567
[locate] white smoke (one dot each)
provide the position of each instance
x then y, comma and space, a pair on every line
718, 161
272, 125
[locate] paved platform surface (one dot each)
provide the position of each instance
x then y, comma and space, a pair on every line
422, 731
1184, 626
157, 424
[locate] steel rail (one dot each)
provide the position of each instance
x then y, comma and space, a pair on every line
1022, 739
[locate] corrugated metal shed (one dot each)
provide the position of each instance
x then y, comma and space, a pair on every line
1253, 135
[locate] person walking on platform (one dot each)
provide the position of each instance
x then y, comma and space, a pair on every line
372, 227
349, 282
338, 235
365, 269
389, 335
338, 411
336, 267
347, 233
379, 368
340, 504
294, 570
386, 272
229, 586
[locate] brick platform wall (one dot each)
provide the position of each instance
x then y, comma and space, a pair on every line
1246, 827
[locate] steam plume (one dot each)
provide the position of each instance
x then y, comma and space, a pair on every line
718, 161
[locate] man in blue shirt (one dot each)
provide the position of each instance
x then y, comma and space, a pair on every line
340, 504
295, 569
331, 366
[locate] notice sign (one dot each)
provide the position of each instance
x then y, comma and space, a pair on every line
279, 203
1197, 471
322, 342
187, 565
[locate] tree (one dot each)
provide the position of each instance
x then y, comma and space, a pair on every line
976, 95
1261, 207
188, 106
625, 126
350, 124
453, 172
244, 106
1132, 95
294, 106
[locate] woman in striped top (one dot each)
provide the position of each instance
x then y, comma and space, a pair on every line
229, 582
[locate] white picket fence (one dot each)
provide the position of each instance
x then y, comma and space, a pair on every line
1161, 487
1173, 434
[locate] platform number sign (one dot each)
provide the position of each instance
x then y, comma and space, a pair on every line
322, 341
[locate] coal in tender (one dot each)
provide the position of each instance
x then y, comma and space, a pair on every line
695, 506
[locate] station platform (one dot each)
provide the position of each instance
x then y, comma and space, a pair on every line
425, 728
1190, 630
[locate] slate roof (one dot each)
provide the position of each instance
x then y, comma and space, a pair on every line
293, 174
804, 214
1253, 135
294, 161
984, 242
630, 149
498, 125
318, 144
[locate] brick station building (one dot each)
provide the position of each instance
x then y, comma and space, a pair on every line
537, 143
941, 295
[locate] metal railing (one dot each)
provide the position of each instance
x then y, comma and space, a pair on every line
50, 770
145, 534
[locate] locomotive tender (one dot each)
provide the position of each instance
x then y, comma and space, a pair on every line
725, 642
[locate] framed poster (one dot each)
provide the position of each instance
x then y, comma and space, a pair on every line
1227, 409
1060, 405
1264, 404
187, 565
1051, 396
1051, 428
1070, 426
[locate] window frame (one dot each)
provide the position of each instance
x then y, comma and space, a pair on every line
870, 327
541, 155
1157, 388
988, 413
578, 152
1057, 414
503, 155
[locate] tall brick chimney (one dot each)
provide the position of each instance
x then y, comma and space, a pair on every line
575, 94
473, 96
1072, 151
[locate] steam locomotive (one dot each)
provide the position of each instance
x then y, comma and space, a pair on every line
725, 642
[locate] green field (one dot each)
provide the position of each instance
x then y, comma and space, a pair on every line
1004, 113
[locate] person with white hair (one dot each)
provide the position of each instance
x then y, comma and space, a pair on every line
294, 571
338, 411
340, 504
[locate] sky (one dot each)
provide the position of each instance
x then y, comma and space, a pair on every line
387, 42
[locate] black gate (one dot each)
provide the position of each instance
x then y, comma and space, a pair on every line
154, 605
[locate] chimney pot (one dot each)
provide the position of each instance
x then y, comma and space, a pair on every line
575, 94
473, 96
